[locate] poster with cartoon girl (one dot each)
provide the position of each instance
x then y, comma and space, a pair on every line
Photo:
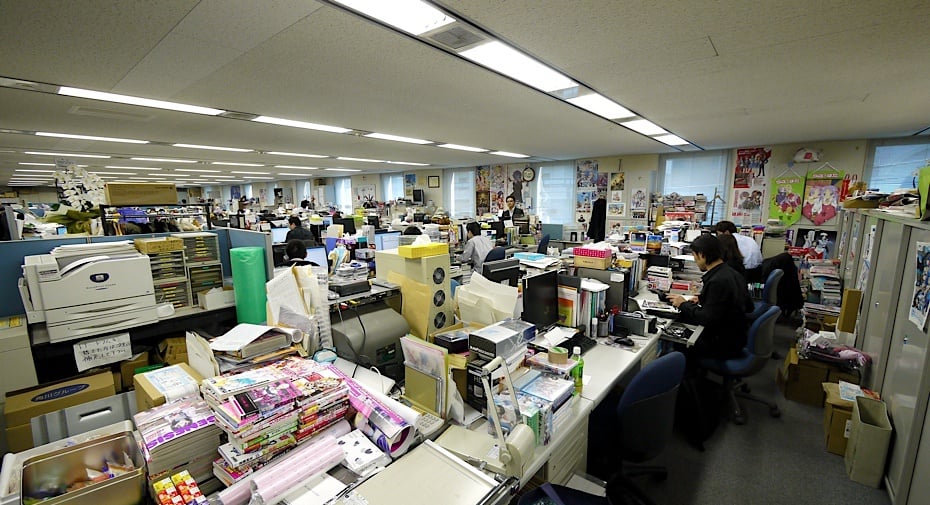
750, 164
785, 202
920, 304
483, 178
586, 174
585, 199
498, 186
821, 196
638, 199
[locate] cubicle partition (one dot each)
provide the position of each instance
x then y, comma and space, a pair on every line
249, 238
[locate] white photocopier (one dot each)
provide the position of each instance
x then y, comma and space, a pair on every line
88, 289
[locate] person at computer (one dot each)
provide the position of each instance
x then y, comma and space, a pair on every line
512, 211
721, 307
730, 253
477, 246
296, 253
752, 253
297, 232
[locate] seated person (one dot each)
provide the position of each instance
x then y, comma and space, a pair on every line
752, 253
477, 246
298, 232
296, 253
721, 307
412, 230
731, 255
512, 211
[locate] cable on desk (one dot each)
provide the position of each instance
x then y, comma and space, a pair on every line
364, 337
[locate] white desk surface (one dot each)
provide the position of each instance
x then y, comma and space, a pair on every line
607, 365
645, 294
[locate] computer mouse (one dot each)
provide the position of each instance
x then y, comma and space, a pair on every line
627, 341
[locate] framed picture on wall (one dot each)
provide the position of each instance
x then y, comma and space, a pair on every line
433, 181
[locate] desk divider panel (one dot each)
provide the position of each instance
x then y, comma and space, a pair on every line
249, 238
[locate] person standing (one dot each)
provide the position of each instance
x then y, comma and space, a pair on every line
511, 211
477, 246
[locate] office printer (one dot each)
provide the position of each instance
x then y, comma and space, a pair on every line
83, 295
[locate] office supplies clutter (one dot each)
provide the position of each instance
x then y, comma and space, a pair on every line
248, 340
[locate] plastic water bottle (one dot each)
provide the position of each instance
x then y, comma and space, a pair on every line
577, 371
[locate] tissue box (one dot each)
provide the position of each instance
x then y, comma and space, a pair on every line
420, 251
216, 298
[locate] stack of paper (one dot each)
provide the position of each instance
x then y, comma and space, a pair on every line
484, 302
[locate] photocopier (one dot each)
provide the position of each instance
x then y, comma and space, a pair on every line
88, 289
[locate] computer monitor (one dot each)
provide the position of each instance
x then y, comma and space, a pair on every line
541, 299
419, 217
373, 221
279, 254
389, 240
279, 235
348, 225
317, 255
418, 198
501, 271
657, 260
498, 227
523, 225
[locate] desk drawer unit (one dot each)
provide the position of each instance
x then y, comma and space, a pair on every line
175, 291
204, 277
568, 457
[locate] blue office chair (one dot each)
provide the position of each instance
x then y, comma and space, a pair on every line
769, 294
498, 253
645, 416
543, 244
752, 359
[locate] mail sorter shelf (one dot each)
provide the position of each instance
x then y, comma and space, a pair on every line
200, 246
176, 291
204, 277
167, 265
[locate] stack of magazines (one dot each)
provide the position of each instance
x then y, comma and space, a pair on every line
179, 436
267, 411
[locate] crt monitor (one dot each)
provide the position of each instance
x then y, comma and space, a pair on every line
498, 227
348, 225
373, 221
523, 225
541, 299
418, 198
279, 235
502, 271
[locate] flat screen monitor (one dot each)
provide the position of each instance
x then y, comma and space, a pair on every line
419, 218
348, 225
498, 227
373, 221
541, 299
502, 271
327, 220
523, 225
658, 260
279, 235
388, 240
279, 254
317, 255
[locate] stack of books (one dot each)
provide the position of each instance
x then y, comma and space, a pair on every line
270, 410
179, 436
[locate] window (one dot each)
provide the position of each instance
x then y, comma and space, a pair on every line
696, 173
344, 194
893, 163
392, 186
459, 193
555, 193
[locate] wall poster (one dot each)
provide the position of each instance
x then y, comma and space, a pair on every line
750, 164
364, 193
497, 187
920, 304
785, 203
410, 182
821, 195
586, 189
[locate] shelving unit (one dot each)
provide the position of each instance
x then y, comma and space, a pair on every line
170, 278
202, 261
110, 214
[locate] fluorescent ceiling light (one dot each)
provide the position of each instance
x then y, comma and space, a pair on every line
409, 163
198, 170
301, 124
601, 106
297, 167
70, 155
256, 173
214, 148
412, 16
141, 178
672, 140
91, 137
293, 175
364, 160
396, 138
282, 153
463, 148
164, 160
112, 173
504, 59
182, 175
644, 126
234, 164
134, 100
343, 170
223, 176
257, 177
36, 164
35, 171
132, 168
510, 155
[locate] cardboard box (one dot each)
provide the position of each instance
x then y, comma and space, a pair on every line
800, 380
589, 262
21, 406
157, 245
128, 368
148, 393
119, 193
420, 251
837, 415
172, 350
869, 436
218, 299
849, 310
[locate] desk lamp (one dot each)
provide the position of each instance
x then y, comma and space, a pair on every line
507, 456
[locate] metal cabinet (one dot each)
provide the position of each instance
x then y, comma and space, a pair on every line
850, 248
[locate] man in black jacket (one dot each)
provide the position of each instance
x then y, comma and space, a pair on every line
297, 231
721, 307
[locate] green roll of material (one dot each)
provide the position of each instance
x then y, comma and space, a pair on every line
248, 271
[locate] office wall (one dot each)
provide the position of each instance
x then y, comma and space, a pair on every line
434, 194
366, 180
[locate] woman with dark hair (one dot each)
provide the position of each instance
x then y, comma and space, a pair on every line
731, 254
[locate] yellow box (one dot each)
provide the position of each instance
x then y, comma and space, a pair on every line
420, 251
159, 245
119, 193
589, 262
837, 418
127, 368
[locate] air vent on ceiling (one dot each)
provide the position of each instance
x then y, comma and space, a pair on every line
109, 113
456, 37
239, 115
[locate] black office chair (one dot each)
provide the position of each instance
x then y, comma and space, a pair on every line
758, 350
769, 294
498, 253
543, 244
645, 416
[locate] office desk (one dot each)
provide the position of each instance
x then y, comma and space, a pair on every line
645, 294
608, 365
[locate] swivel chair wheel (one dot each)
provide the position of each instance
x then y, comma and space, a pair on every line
774, 411
745, 388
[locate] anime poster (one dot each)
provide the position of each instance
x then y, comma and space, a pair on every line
585, 199
483, 178
497, 187
785, 203
586, 174
410, 182
868, 242
482, 203
364, 193
920, 304
821, 196
820, 244
750, 164
603, 179
617, 181
615, 197
263, 196
638, 199
616, 209
746, 206
235, 192
517, 185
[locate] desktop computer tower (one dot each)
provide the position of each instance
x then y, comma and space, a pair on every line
432, 271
